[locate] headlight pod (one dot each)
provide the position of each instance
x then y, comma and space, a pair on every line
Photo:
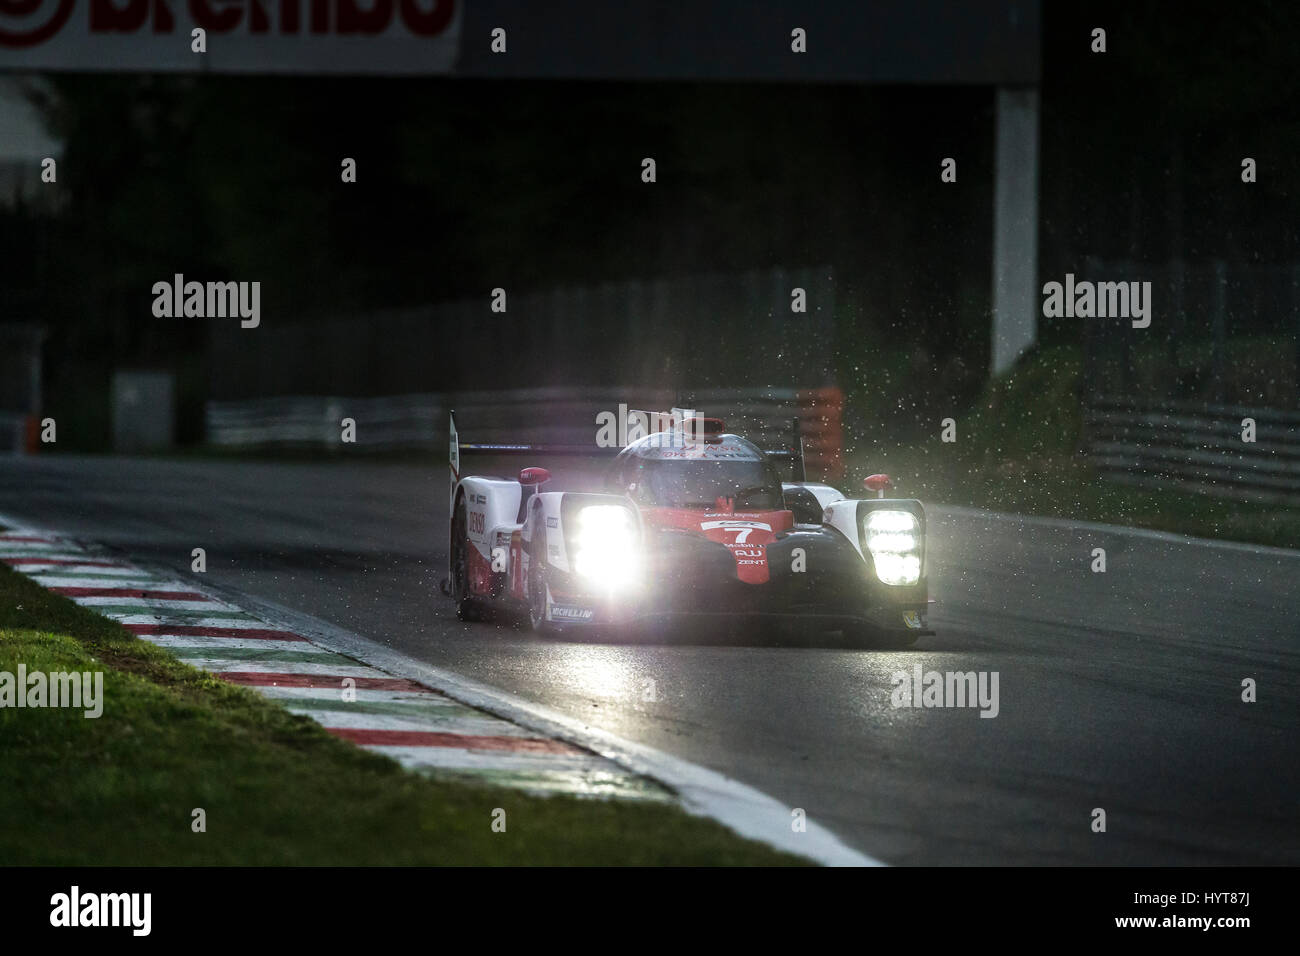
606, 546
894, 540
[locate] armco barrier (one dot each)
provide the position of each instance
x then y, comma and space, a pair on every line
1196, 448
546, 415
19, 434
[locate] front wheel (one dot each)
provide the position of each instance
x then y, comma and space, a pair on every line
537, 595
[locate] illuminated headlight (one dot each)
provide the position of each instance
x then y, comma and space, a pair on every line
893, 538
605, 546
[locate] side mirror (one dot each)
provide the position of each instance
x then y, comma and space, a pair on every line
877, 483
530, 479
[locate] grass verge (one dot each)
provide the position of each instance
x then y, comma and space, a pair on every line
1018, 451
276, 788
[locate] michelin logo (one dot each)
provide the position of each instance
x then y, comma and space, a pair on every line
564, 613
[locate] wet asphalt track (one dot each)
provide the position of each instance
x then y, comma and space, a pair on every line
1118, 690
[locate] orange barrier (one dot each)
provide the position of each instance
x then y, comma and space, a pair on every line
821, 424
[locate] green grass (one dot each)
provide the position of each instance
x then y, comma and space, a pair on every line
1018, 451
277, 789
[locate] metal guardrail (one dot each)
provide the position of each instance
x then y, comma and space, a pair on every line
543, 415
1196, 448
651, 331
17, 433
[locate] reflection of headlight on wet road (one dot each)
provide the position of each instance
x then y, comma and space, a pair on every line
606, 546
891, 537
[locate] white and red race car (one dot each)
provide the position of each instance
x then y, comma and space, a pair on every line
692, 524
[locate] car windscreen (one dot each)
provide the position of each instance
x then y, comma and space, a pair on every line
701, 483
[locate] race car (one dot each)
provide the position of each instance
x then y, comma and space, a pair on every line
693, 524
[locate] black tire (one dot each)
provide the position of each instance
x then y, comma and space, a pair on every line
468, 608
537, 593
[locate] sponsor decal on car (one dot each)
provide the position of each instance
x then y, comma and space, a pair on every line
552, 522
732, 523
912, 620
564, 612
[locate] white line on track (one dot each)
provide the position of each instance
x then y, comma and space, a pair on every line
154, 604
702, 791
220, 665
215, 645
460, 758
162, 619
1069, 524
127, 585
107, 573
483, 725
364, 695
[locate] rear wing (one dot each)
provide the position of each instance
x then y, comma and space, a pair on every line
459, 448
792, 454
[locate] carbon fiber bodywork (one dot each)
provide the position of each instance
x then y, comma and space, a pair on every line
689, 577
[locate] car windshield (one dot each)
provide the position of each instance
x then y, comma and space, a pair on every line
732, 485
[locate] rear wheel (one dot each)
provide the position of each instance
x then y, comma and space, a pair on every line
468, 607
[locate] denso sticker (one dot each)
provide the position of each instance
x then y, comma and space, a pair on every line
552, 522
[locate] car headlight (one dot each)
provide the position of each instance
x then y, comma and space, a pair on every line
894, 540
605, 546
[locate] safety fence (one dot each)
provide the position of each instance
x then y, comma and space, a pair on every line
1219, 333
558, 415
1228, 451
714, 330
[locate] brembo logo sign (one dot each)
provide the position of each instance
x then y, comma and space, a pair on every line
310, 36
